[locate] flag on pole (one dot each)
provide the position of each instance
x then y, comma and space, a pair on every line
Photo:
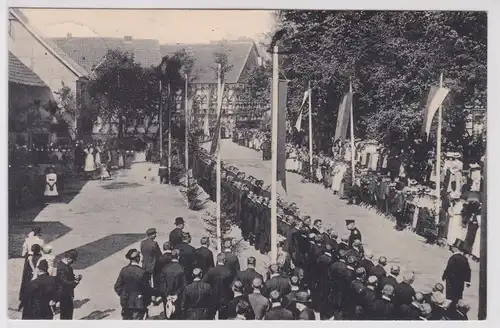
215, 140
343, 117
281, 142
298, 124
434, 100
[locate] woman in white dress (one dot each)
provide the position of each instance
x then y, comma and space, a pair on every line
97, 157
51, 183
121, 162
455, 227
477, 241
89, 160
475, 177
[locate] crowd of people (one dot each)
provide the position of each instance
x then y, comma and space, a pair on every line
384, 184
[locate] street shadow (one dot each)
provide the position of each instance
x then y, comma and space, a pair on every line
79, 303
69, 190
120, 185
96, 251
51, 230
98, 314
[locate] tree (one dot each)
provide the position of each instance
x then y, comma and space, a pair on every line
392, 59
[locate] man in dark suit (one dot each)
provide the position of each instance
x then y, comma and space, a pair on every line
162, 262
344, 244
366, 261
391, 278
150, 253
404, 292
40, 295
204, 256
277, 283
187, 256
172, 279
457, 273
355, 250
411, 311
66, 283
383, 308
460, 311
247, 276
175, 236
354, 304
277, 311
196, 299
379, 269
355, 233
229, 310
368, 296
232, 261
220, 278
133, 287
260, 304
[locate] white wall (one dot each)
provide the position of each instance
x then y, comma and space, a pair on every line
38, 58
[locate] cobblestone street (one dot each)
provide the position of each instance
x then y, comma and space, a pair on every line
102, 222
403, 248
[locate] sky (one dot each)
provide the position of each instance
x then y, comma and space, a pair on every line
167, 26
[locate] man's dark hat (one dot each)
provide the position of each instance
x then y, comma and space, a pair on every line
347, 222
179, 220
251, 260
458, 243
151, 231
43, 265
132, 253
302, 297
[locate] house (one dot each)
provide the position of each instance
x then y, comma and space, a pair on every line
37, 70
243, 56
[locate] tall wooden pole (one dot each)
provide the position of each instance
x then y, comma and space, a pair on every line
169, 112
310, 134
483, 249
160, 118
274, 156
353, 166
186, 129
218, 168
438, 155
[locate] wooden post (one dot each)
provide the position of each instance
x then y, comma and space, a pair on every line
310, 134
483, 249
274, 152
438, 155
186, 129
169, 150
218, 168
160, 118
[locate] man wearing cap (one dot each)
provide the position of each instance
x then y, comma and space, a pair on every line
276, 282
204, 256
133, 287
248, 276
40, 295
196, 299
175, 236
355, 233
150, 253
379, 269
260, 304
404, 292
457, 273
277, 311
172, 279
187, 255
66, 282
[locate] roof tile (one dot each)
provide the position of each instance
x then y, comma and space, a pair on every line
20, 73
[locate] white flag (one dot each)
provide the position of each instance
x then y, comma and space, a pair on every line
298, 124
434, 100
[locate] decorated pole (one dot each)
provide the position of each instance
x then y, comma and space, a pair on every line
169, 112
352, 137
274, 157
483, 249
310, 133
186, 129
218, 168
160, 118
438, 155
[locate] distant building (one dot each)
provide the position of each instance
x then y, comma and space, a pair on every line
243, 56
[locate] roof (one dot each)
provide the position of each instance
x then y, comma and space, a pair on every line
90, 51
20, 73
238, 53
49, 45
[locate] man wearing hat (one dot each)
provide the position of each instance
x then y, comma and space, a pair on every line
150, 253
196, 299
175, 236
355, 233
66, 282
301, 307
277, 311
40, 295
172, 281
133, 287
204, 256
457, 273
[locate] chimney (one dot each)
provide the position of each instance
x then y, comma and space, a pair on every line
69, 35
127, 39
